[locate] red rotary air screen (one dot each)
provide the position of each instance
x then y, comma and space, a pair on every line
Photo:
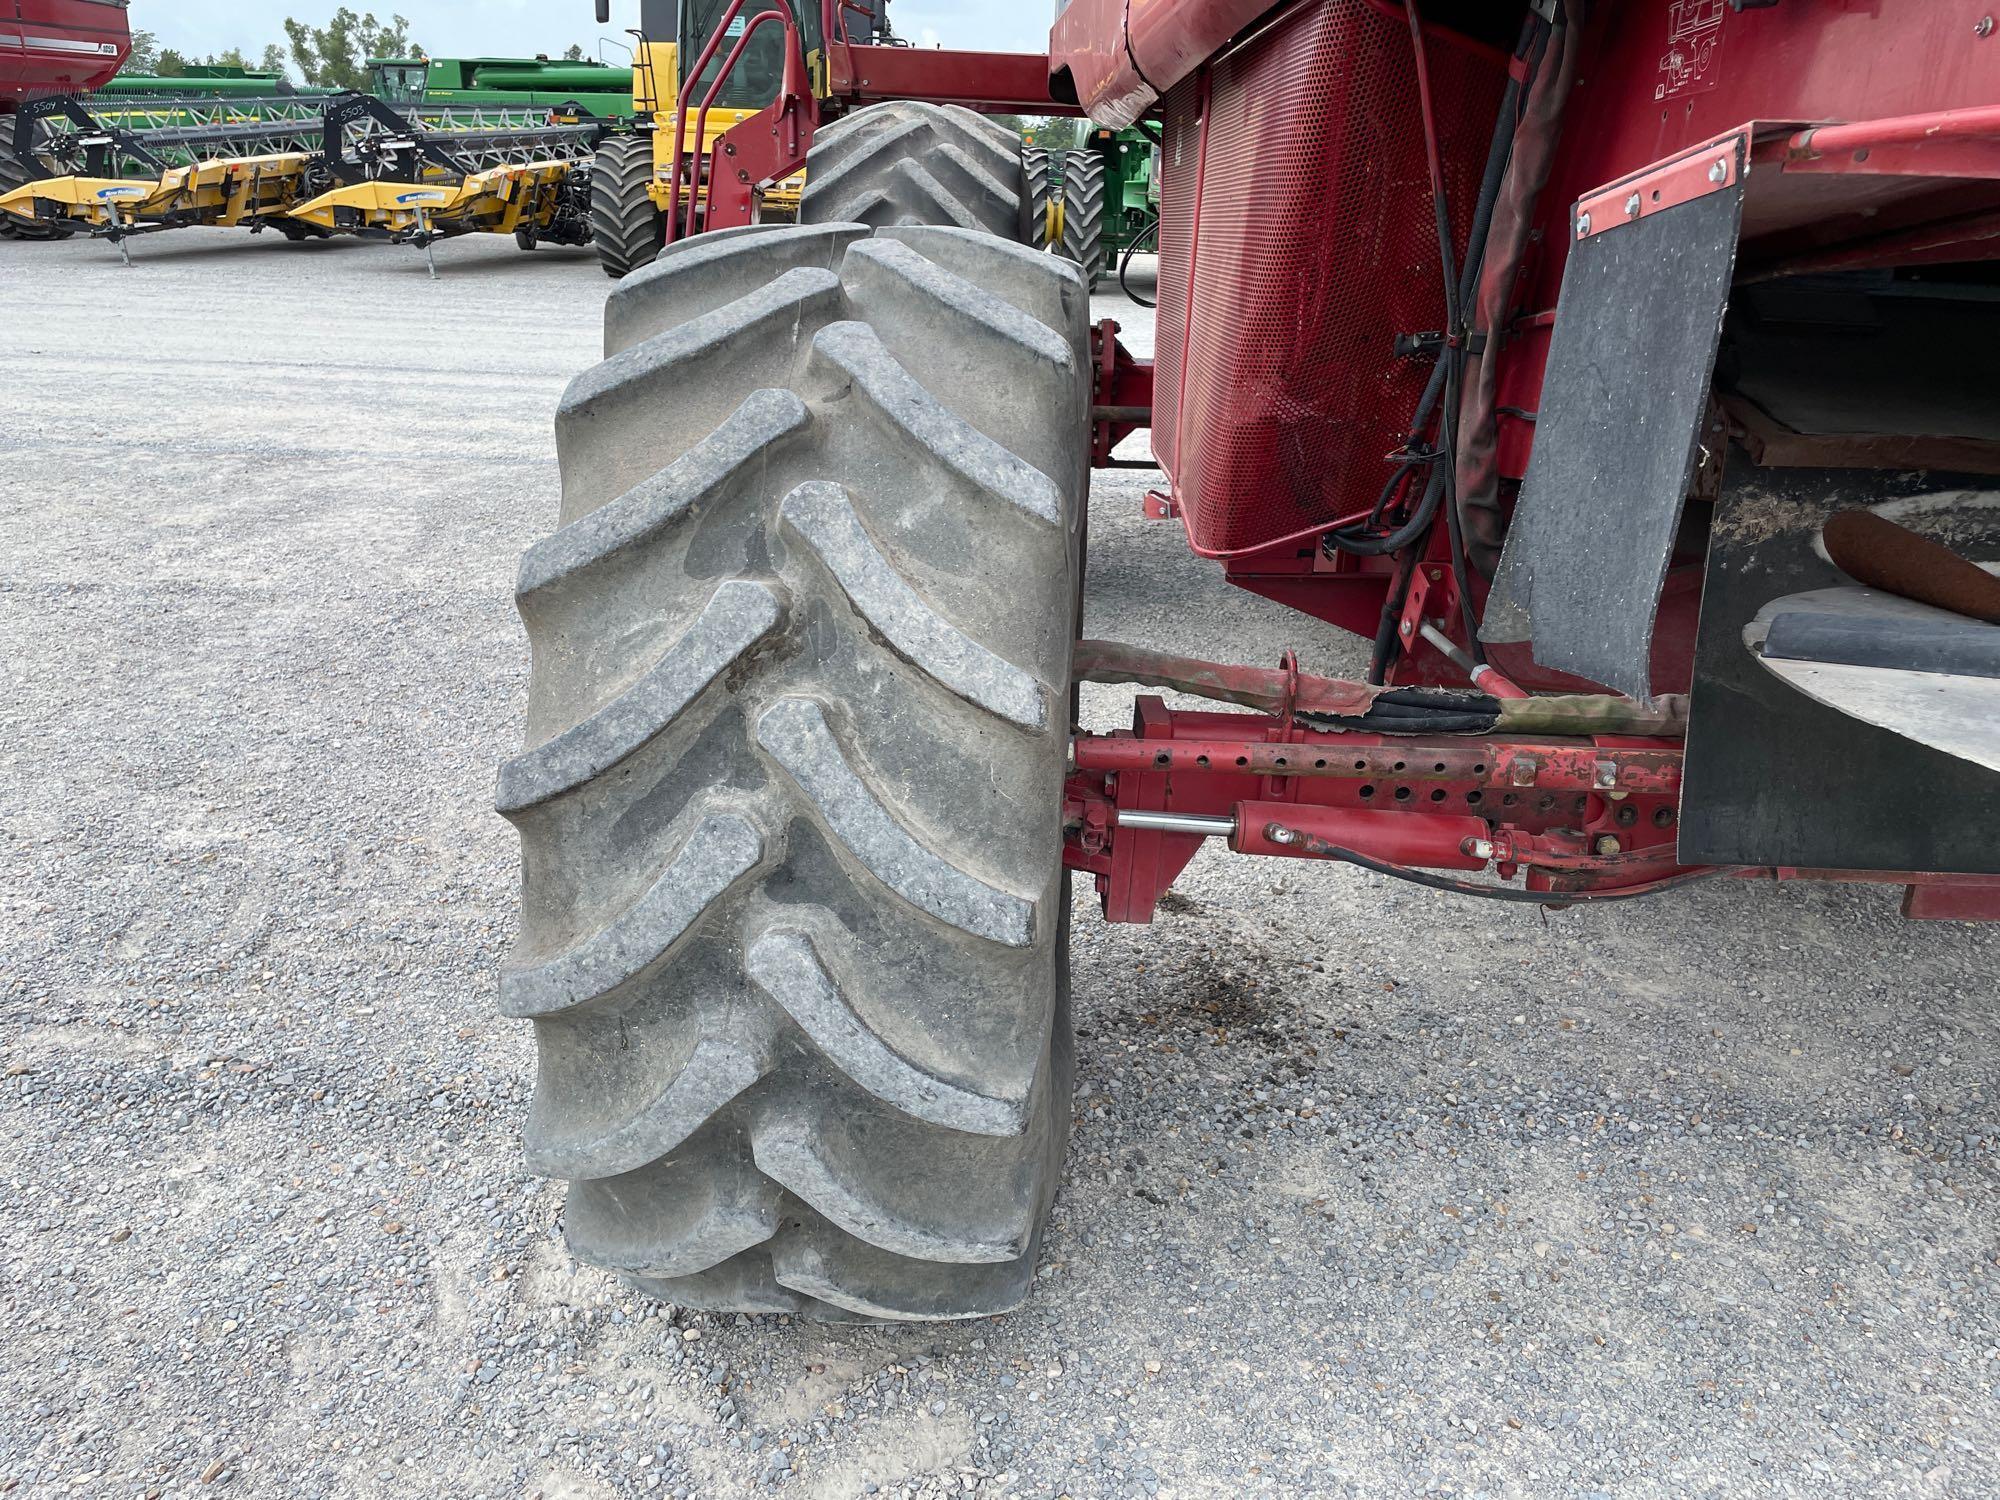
1297, 240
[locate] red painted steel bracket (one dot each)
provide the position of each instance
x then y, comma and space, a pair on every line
1952, 898
1948, 143
1710, 167
1121, 397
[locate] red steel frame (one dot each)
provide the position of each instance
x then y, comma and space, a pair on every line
1576, 816
1577, 819
1574, 819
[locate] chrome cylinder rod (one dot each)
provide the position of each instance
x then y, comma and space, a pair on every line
1164, 822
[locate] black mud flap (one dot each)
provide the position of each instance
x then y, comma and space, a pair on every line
1785, 770
1632, 356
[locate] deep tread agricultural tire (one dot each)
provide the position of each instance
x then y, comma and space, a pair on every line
625, 225
16, 173
1083, 212
794, 921
1035, 169
909, 163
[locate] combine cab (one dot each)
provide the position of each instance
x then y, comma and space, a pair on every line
1619, 376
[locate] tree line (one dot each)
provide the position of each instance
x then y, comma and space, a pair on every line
333, 56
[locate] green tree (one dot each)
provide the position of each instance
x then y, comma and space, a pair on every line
171, 64
335, 55
232, 58
145, 56
1058, 133
273, 60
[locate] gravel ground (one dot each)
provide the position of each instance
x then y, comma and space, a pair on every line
1372, 1191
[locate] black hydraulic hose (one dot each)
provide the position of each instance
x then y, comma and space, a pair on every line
1456, 700
1530, 51
1498, 153
1320, 849
1461, 574
1446, 378
1410, 531
1453, 352
1383, 653
1150, 227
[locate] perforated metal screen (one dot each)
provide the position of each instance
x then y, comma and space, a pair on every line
1295, 245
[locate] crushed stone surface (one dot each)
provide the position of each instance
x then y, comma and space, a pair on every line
1372, 1191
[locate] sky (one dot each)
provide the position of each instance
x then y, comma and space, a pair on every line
506, 28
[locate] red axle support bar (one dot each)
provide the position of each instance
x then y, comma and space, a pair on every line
1575, 814
1434, 843
1223, 745
1581, 818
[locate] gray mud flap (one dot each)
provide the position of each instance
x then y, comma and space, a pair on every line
1628, 377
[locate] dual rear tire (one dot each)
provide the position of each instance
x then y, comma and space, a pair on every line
883, 166
1082, 238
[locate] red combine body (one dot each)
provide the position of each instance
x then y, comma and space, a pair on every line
1759, 217
59, 46
49, 47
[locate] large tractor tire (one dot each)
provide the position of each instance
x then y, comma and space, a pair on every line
905, 163
15, 173
625, 225
1035, 168
794, 915
1083, 212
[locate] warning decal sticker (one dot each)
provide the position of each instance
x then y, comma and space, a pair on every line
1694, 45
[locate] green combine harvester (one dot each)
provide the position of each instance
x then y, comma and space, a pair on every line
1096, 192
406, 83
503, 82
204, 81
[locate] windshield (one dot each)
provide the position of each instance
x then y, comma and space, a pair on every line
401, 83
753, 82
